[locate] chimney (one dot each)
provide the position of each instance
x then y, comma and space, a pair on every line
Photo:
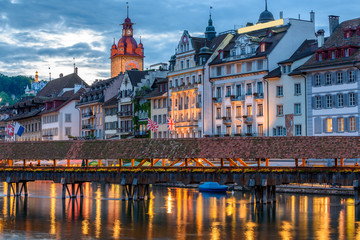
281, 15
320, 37
61, 75
76, 70
312, 16
333, 23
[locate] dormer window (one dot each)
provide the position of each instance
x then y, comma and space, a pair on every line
347, 52
243, 52
262, 47
320, 57
221, 55
333, 55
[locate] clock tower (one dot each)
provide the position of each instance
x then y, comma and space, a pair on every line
127, 54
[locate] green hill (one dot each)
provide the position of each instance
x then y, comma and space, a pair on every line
13, 86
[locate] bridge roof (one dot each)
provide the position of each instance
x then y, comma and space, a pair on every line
236, 147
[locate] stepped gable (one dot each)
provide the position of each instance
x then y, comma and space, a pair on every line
337, 40
54, 87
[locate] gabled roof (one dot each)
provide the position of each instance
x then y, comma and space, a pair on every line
307, 48
70, 96
337, 40
111, 102
276, 73
262, 35
54, 87
135, 76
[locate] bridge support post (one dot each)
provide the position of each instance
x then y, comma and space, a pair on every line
341, 162
296, 162
19, 187
336, 162
357, 193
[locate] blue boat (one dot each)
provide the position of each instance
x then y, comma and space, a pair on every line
213, 187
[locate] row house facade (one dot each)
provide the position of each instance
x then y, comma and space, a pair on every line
159, 107
287, 93
91, 106
133, 106
186, 81
110, 118
239, 93
333, 82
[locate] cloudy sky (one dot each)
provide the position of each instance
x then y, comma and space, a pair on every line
38, 34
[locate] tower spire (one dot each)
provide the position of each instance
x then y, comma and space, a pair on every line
266, 5
127, 8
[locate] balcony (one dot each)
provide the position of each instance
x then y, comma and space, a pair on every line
88, 127
249, 94
227, 120
248, 118
125, 114
198, 105
124, 130
88, 115
217, 100
237, 98
183, 87
259, 96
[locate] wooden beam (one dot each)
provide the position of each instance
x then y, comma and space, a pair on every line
175, 162
259, 162
303, 162
221, 162
198, 162
208, 162
296, 162
24, 162
132, 162
266, 162
241, 162
10, 162
55, 165
163, 162
99, 163
142, 163
39, 162
186, 162
336, 162
232, 163
87, 162
67, 164
155, 161
121, 163
341, 162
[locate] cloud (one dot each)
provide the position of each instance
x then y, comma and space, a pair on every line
37, 34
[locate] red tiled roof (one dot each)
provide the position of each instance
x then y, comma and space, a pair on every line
237, 147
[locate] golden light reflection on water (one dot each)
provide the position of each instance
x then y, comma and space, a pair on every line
179, 214
53, 209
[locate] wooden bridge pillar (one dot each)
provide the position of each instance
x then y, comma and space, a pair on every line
341, 162
74, 190
19, 187
357, 193
267, 162
55, 164
39, 162
134, 191
99, 163
68, 163
87, 162
10, 162
336, 162
303, 162
24, 162
259, 162
296, 162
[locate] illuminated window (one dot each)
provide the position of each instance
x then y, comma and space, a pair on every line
228, 112
249, 110
238, 129
238, 111
329, 125
340, 124
262, 47
352, 124
260, 110
279, 110
261, 130
228, 130
218, 113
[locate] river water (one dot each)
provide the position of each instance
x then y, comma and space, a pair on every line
172, 213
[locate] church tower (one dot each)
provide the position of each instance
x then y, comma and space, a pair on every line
127, 54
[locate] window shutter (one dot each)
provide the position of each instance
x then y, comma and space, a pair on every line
313, 102
324, 125
333, 99
346, 124
333, 78
346, 99
345, 76
356, 75
323, 104
356, 98
311, 78
356, 123
322, 79
317, 122
335, 124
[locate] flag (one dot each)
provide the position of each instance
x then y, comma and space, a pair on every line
10, 130
152, 125
19, 129
171, 124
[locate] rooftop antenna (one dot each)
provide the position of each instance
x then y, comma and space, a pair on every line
74, 65
210, 11
49, 74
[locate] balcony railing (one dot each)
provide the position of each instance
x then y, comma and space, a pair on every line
237, 98
124, 130
88, 114
88, 127
227, 120
217, 99
259, 96
125, 114
248, 118
198, 105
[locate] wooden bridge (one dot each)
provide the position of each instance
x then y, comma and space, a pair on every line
148, 161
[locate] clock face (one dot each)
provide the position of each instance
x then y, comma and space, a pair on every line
131, 65
185, 39
128, 32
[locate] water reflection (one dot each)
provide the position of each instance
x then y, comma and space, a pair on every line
173, 213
